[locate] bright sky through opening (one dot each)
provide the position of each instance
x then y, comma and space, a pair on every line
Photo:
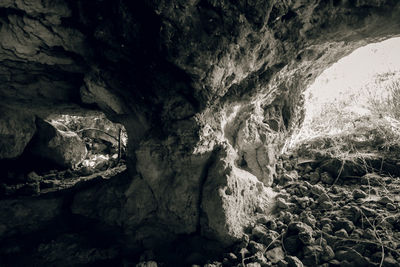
353, 72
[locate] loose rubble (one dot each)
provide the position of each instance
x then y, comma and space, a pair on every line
325, 220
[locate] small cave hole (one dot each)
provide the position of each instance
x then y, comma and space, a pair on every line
65, 150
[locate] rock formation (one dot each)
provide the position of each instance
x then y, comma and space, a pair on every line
208, 92
64, 148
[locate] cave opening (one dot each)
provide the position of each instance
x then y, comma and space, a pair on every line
356, 96
63, 151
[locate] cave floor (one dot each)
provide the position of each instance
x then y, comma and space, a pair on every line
340, 210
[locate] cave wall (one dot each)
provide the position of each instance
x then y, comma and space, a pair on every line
208, 91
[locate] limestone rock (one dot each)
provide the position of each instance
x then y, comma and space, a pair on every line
26, 215
16, 130
63, 148
225, 217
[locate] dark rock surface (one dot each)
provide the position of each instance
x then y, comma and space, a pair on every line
208, 91
64, 148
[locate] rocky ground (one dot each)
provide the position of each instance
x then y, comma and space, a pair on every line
329, 211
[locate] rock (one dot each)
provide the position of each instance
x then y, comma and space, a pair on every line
288, 177
391, 206
358, 193
327, 228
16, 130
255, 247
328, 253
303, 232
326, 205
293, 261
33, 177
231, 257
385, 200
270, 239
352, 256
63, 148
275, 254
27, 215
292, 244
389, 261
327, 178
271, 225
312, 255
324, 197
318, 190
147, 264
334, 263
29, 189
253, 264
281, 203
224, 217
314, 177
342, 168
342, 223
371, 179
258, 232
341, 233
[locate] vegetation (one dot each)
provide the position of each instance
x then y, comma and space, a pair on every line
366, 120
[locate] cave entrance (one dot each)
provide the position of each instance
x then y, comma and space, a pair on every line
358, 98
65, 149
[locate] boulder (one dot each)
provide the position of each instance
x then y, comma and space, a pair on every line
60, 147
16, 130
230, 198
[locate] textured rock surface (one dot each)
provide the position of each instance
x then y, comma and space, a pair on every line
64, 148
26, 215
185, 78
16, 130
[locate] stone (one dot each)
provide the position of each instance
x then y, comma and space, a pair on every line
147, 264
63, 148
312, 255
227, 222
33, 177
326, 205
358, 193
16, 130
391, 206
29, 189
255, 247
317, 189
258, 232
293, 261
341, 233
270, 239
281, 203
342, 223
327, 178
275, 255
328, 253
389, 261
292, 244
19, 216
314, 177
385, 200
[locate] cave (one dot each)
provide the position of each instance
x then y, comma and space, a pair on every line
208, 91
